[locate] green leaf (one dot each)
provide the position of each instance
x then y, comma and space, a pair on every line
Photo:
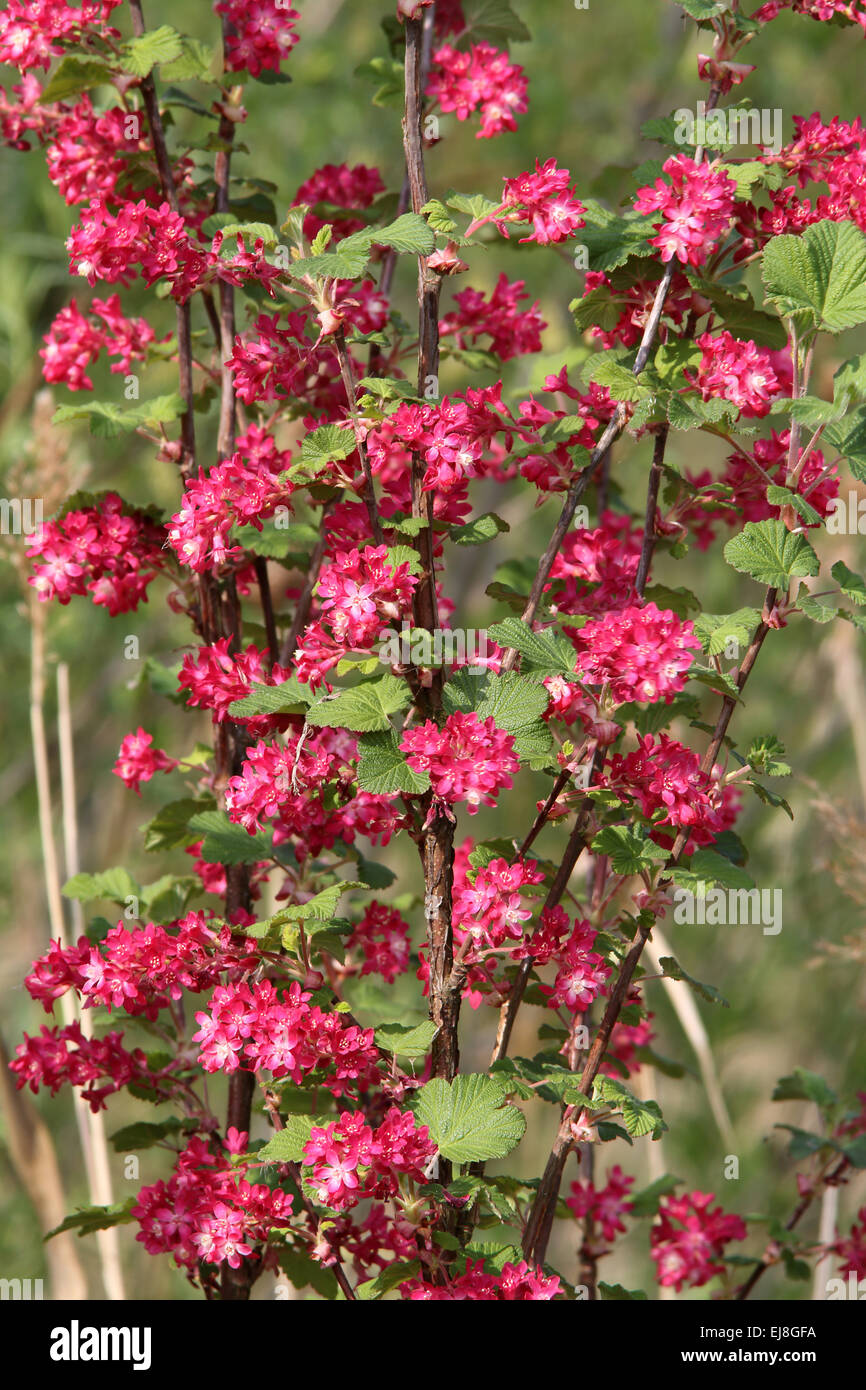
139, 56
302, 1271
116, 885
363, 709
289, 698
705, 866
73, 75
819, 276
628, 852
169, 828
672, 970
251, 232
783, 497
806, 1085
620, 380
404, 1040
437, 215
493, 21
468, 1120
143, 1135
193, 63
394, 1274
86, 1220
851, 584
766, 755
227, 843
383, 768
326, 445
287, 1145
703, 10
639, 1116
479, 530
107, 419
771, 554
546, 652
716, 630
615, 1293
410, 234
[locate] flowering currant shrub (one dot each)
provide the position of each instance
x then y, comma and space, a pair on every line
324, 486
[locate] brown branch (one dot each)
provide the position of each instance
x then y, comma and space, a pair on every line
652, 498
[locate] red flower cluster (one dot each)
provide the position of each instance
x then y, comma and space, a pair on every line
666, 776
481, 77
516, 1284
362, 594
103, 550
215, 677
254, 1028
138, 760
736, 371
382, 937
468, 759
491, 907
140, 970
542, 197
689, 1238
64, 1056
513, 332
351, 1161
74, 341
599, 566
205, 1213
343, 187
640, 653
605, 1206
32, 32
244, 490
581, 973
697, 206
261, 36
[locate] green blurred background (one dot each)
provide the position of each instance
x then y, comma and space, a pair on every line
795, 999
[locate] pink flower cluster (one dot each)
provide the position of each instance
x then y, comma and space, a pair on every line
452, 437
205, 1213
666, 776
481, 77
636, 303
467, 759
581, 972
640, 653
104, 550
689, 1239
697, 206
513, 332
156, 242
244, 490
737, 371
261, 36
852, 10
382, 937
64, 1056
138, 760
254, 1028
598, 567
86, 151
216, 677
553, 470
541, 196
491, 907
518, 1283
604, 1206
140, 970
309, 789
32, 31
74, 341
362, 592
281, 363
349, 1160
